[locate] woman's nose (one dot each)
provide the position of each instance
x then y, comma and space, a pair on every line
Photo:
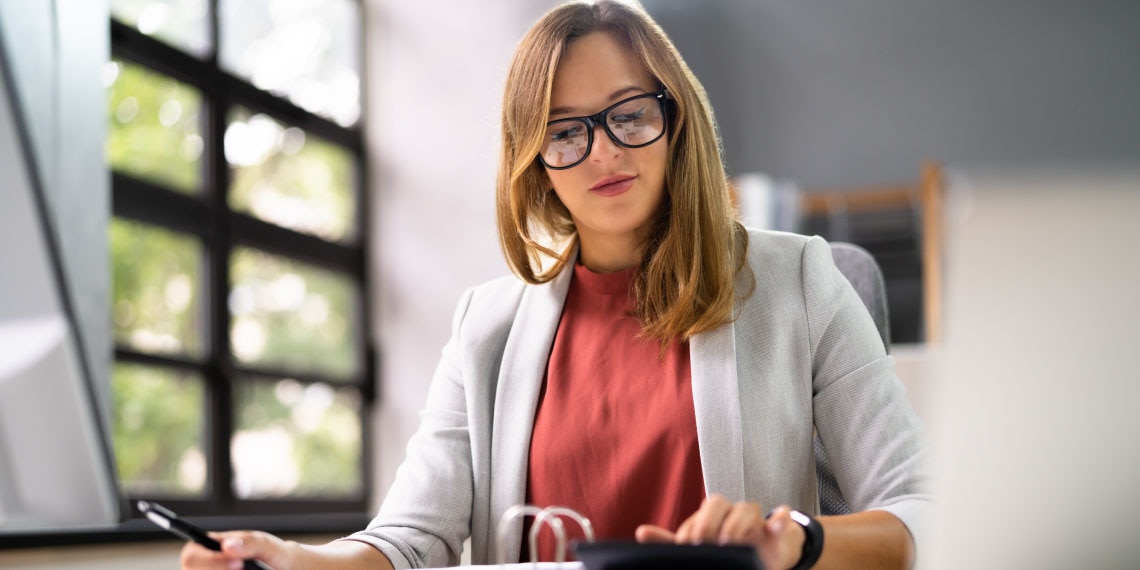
604, 147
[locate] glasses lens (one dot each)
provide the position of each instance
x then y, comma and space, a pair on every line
637, 122
566, 143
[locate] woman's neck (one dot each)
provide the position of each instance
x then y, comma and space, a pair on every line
609, 255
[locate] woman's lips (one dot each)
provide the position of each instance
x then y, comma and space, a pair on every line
613, 185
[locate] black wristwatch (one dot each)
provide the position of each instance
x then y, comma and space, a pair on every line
813, 540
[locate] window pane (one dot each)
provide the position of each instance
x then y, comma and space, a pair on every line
157, 289
154, 129
294, 317
183, 24
294, 439
159, 432
306, 50
289, 178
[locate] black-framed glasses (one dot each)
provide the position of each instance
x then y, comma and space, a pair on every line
631, 123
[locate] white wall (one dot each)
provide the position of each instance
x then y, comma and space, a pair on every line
435, 80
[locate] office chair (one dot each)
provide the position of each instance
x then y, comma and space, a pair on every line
862, 271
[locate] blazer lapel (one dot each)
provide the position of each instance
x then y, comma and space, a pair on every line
516, 399
716, 401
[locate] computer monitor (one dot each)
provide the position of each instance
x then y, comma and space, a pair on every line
56, 466
1036, 404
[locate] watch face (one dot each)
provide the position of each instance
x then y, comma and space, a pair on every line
801, 518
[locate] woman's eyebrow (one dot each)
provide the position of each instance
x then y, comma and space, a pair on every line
613, 97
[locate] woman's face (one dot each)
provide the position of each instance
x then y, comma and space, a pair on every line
615, 191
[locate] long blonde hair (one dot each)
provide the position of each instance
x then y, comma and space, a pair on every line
695, 247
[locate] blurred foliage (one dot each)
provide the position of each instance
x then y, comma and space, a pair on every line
154, 129
290, 316
158, 430
284, 176
180, 23
307, 51
157, 289
323, 423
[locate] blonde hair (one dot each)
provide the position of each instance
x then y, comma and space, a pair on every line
695, 247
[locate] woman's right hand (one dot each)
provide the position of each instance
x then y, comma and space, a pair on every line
237, 546
280, 554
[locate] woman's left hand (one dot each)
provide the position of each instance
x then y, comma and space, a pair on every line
778, 539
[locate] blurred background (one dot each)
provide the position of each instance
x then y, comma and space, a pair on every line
268, 208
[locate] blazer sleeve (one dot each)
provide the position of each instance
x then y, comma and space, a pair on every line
868, 429
426, 514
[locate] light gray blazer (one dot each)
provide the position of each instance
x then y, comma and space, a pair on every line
802, 354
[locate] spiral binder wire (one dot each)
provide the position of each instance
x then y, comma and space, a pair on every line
550, 516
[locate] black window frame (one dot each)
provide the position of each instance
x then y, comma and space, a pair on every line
208, 217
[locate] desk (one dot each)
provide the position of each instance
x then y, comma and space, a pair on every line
524, 566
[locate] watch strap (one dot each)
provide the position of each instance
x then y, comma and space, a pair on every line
813, 540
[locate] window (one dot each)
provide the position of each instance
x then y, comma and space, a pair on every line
243, 368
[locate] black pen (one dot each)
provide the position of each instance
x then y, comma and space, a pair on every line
166, 519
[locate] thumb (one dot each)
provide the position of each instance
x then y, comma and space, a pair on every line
653, 533
234, 544
248, 544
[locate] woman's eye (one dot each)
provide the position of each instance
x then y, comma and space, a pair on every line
564, 134
628, 117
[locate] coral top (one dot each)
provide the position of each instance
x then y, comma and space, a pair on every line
615, 435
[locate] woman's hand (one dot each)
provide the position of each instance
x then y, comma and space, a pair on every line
236, 547
778, 539
280, 554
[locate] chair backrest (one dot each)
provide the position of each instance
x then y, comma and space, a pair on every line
861, 269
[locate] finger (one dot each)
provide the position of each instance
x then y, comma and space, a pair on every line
707, 521
782, 543
653, 533
777, 523
744, 524
237, 546
194, 556
683, 534
245, 544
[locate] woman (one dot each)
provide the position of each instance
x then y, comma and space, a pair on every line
657, 367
